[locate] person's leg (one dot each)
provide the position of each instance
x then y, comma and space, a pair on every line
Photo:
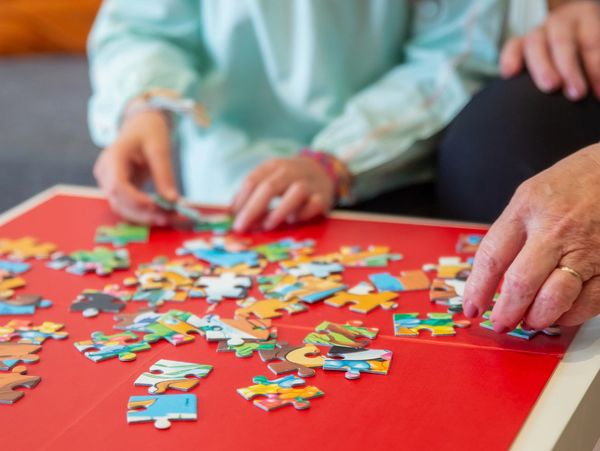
505, 135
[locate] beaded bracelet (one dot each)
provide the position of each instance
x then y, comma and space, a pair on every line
337, 172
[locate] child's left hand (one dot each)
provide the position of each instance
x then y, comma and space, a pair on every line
305, 188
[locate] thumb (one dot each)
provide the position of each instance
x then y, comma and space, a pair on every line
158, 157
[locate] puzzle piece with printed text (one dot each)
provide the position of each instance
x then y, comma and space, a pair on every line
161, 409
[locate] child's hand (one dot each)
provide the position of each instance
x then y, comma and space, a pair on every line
305, 188
142, 151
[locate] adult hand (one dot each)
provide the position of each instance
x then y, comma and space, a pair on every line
552, 221
142, 151
305, 189
563, 52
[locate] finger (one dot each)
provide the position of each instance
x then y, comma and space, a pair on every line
292, 200
556, 297
250, 183
522, 281
589, 43
586, 306
258, 203
137, 215
496, 252
539, 62
315, 206
563, 48
158, 157
511, 58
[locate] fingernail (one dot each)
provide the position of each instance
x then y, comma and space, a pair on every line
501, 329
573, 93
525, 326
470, 310
268, 225
547, 84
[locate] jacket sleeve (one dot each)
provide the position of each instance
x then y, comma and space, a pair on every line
388, 130
137, 45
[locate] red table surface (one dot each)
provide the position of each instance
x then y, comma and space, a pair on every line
471, 391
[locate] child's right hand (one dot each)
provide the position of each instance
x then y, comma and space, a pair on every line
141, 152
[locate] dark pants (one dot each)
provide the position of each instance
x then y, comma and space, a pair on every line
509, 132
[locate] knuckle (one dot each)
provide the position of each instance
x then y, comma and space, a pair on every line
517, 285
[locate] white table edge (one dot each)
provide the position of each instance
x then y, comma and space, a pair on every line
564, 415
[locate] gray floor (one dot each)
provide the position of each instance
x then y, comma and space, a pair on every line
43, 132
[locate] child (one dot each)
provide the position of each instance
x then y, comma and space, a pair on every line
312, 102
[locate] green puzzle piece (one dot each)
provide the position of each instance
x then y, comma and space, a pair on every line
122, 234
247, 348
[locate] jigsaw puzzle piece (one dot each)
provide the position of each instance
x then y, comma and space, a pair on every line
519, 332
137, 321
354, 361
448, 292
161, 409
17, 379
247, 348
122, 234
468, 243
362, 299
13, 353
302, 359
14, 267
373, 256
352, 334
307, 266
439, 324
92, 302
451, 268
226, 285
243, 269
225, 252
23, 305
25, 248
175, 326
407, 281
235, 331
103, 347
170, 374
101, 260
285, 391
284, 249
269, 308
28, 334
9, 283
307, 289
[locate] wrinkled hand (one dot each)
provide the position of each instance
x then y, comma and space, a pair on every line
305, 189
563, 52
552, 220
142, 151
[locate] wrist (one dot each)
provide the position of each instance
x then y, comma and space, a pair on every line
167, 103
337, 171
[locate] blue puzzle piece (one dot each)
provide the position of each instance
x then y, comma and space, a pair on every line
386, 282
7, 309
161, 409
14, 267
226, 259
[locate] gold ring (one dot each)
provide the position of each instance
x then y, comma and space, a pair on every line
571, 271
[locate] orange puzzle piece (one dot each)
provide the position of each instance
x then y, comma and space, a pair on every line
25, 248
363, 299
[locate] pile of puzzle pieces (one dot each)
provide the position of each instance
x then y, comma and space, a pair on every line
20, 341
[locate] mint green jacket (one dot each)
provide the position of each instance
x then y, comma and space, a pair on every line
372, 81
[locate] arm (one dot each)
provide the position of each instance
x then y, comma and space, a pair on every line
137, 46
391, 125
